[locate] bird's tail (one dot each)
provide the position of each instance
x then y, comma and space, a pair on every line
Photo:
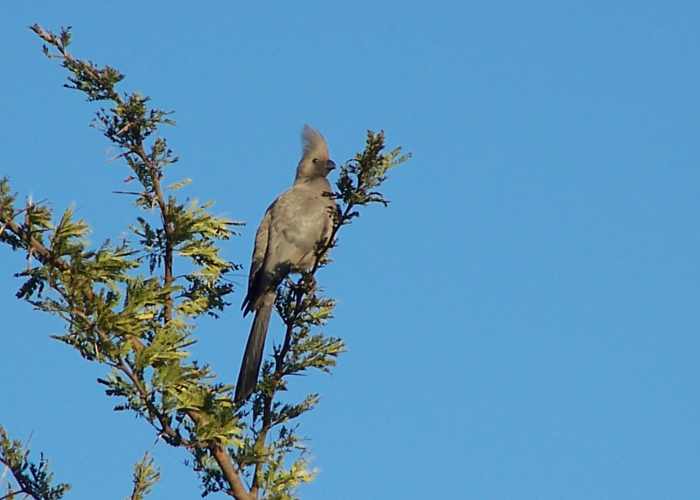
248, 375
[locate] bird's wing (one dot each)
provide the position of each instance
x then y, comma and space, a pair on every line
261, 240
262, 237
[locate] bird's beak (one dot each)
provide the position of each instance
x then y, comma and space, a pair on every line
331, 165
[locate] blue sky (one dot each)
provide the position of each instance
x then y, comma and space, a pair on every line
522, 321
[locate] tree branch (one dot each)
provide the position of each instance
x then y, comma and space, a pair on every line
33, 479
238, 489
42, 253
222, 458
173, 436
98, 84
12, 494
167, 226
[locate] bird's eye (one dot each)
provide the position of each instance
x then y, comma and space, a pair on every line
315, 160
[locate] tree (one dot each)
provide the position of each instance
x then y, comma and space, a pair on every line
126, 308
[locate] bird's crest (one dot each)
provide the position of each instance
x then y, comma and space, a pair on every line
313, 143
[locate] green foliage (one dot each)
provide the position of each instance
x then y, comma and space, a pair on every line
125, 307
32, 479
122, 303
145, 476
366, 171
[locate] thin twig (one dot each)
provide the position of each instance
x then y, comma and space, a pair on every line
135, 193
13, 493
35, 247
138, 150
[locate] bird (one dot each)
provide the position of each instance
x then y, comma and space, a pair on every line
286, 242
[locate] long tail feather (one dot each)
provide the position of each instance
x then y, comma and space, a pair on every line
250, 367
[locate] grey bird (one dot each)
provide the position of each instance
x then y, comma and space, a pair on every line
286, 242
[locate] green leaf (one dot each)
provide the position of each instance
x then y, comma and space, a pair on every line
145, 476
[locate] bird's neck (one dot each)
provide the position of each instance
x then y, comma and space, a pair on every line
312, 182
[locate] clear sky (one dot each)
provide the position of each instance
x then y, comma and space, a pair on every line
522, 321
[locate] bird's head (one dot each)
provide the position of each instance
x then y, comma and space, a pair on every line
315, 161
